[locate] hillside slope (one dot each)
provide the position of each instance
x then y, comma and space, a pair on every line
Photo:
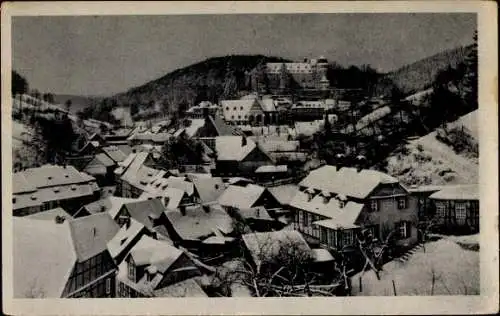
419, 75
427, 160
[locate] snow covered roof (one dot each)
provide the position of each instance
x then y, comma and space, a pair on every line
232, 148
271, 244
271, 145
124, 237
457, 192
186, 288
241, 197
259, 213
116, 153
198, 223
341, 216
153, 252
174, 196
195, 125
145, 211
60, 246
347, 181
50, 175
209, 189
284, 193
48, 274
272, 168
91, 234
50, 214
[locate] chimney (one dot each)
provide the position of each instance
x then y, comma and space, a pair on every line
243, 141
206, 208
127, 223
60, 219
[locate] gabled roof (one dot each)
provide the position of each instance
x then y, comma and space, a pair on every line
221, 127
346, 181
149, 251
124, 237
209, 189
145, 211
457, 192
174, 196
46, 274
269, 245
231, 148
45, 252
284, 193
181, 184
268, 105
116, 153
198, 224
241, 197
91, 234
256, 213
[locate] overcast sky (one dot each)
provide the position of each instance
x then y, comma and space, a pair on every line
109, 54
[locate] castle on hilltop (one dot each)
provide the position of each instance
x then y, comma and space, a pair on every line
308, 74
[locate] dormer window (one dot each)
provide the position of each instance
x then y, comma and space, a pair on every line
341, 204
73, 187
13, 200
57, 189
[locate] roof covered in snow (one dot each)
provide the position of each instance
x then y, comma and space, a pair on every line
457, 192
241, 197
346, 181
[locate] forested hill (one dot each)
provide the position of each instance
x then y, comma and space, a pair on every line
206, 80
419, 75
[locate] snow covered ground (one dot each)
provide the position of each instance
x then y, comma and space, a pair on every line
430, 161
455, 271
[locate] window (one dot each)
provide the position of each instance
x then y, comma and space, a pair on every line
239, 117
347, 238
227, 108
441, 210
460, 213
234, 109
402, 203
131, 271
404, 230
374, 205
241, 108
306, 218
341, 204
324, 236
232, 117
108, 285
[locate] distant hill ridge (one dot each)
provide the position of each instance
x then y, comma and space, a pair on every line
419, 75
205, 80
224, 77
